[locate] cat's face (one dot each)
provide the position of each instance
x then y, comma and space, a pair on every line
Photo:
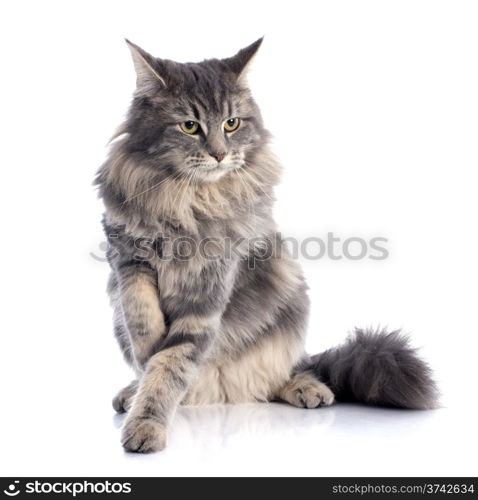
194, 120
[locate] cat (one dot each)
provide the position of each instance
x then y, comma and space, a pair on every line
191, 164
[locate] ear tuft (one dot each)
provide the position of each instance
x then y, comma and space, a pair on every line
146, 67
240, 62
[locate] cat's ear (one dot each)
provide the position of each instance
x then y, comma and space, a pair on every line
148, 69
240, 63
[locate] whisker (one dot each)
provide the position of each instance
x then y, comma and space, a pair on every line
250, 200
256, 183
180, 185
188, 184
149, 189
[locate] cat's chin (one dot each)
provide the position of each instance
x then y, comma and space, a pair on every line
213, 174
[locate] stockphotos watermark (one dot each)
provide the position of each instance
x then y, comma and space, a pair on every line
67, 487
183, 248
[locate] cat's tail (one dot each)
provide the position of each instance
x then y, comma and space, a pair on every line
377, 368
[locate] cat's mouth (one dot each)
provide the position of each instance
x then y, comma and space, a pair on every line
209, 170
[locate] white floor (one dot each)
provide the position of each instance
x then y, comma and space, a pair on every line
253, 439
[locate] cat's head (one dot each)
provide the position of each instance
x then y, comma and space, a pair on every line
194, 120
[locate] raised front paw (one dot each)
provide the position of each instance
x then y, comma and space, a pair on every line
143, 435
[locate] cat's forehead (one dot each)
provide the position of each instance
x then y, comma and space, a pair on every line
208, 89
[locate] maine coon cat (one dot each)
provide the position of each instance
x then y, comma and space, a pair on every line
209, 307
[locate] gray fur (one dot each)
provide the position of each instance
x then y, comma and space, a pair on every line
377, 368
229, 329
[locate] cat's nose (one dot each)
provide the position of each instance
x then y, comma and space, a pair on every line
218, 156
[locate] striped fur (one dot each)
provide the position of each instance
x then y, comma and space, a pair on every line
219, 326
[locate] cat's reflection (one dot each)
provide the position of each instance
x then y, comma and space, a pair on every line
217, 424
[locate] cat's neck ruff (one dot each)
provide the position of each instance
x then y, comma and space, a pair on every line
147, 199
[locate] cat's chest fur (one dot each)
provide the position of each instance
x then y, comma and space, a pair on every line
194, 252
195, 237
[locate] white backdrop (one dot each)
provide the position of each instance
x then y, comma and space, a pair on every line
373, 106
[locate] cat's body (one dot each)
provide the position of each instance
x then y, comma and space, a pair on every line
255, 346
209, 306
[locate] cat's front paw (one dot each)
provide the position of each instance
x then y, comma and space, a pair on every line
123, 401
143, 435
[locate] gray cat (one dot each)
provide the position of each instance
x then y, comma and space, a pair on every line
209, 307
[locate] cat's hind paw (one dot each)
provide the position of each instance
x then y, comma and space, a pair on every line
314, 396
305, 391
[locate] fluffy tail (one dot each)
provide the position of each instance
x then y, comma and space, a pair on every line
377, 368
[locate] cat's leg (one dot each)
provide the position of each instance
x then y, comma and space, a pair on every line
123, 401
139, 312
139, 322
305, 391
119, 326
166, 378
194, 318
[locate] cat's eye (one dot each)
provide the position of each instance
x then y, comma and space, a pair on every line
189, 127
231, 124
